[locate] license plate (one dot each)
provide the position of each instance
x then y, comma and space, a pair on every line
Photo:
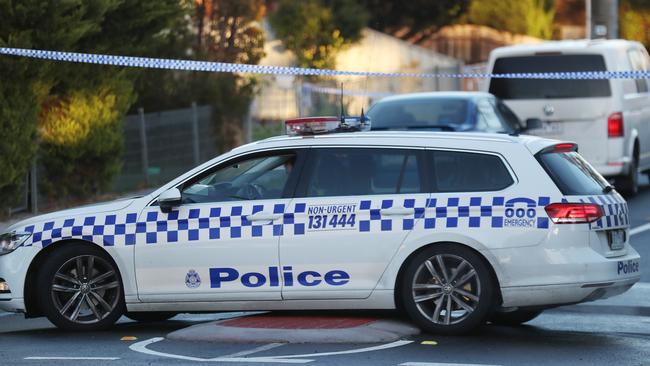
548, 128
616, 239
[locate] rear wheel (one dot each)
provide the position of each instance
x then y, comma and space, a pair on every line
447, 289
629, 183
513, 318
80, 288
151, 316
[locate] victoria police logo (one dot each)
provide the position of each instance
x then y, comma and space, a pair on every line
192, 279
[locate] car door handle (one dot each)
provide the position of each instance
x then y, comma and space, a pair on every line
263, 216
397, 211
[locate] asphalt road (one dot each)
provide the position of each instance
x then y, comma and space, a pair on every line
610, 332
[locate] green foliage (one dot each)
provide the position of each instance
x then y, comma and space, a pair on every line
56, 93
82, 138
530, 17
413, 16
315, 30
634, 21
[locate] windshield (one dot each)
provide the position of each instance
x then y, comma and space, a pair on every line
548, 88
572, 174
421, 113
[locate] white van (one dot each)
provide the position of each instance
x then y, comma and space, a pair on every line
609, 119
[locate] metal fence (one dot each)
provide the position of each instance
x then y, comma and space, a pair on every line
162, 145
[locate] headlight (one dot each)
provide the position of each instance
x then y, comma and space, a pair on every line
10, 241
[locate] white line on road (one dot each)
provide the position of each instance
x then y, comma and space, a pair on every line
254, 350
74, 358
640, 229
142, 348
441, 364
6, 314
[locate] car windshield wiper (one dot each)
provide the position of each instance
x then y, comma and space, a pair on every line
608, 189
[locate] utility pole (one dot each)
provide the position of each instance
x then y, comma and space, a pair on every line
602, 19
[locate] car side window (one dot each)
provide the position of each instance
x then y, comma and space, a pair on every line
261, 177
455, 171
639, 62
362, 171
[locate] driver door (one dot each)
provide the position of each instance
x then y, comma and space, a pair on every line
222, 242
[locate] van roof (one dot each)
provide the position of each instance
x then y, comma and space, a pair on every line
593, 45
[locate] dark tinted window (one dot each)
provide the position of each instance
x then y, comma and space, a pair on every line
548, 88
421, 113
468, 172
346, 172
572, 174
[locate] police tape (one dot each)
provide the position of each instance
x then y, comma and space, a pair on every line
211, 66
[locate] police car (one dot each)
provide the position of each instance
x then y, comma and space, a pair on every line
456, 229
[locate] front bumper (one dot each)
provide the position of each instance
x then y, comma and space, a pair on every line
13, 271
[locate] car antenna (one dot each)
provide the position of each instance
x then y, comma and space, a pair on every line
341, 102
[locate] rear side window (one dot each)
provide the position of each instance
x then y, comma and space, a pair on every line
468, 172
549, 88
572, 174
361, 171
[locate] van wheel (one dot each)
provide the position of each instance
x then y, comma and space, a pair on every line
150, 316
629, 184
80, 288
513, 318
447, 289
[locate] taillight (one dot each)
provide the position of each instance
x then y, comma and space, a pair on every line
615, 125
574, 213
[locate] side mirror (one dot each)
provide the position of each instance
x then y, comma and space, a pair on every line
169, 199
533, 124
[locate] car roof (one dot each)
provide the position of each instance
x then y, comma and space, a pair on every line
434, 95
404, 138
595, 46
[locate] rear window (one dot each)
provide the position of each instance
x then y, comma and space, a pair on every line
469, 172
549, 89
420, 113
572, 174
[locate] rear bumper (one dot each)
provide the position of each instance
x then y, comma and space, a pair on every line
552, 295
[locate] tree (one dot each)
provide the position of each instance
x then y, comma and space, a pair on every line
530, 17
218, 30
413, 18
634, 20
63, 96
316, 30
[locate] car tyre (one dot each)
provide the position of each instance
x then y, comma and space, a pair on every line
629, 183
447, 289
80, 288
150, 316
514, 318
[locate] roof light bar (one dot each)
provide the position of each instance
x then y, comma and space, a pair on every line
322, 125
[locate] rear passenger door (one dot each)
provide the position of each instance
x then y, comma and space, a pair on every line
353, 208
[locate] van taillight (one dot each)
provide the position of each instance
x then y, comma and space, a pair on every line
615, 125
574, 213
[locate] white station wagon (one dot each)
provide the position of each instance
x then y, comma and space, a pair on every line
456, 229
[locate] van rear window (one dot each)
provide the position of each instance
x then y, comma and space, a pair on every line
549, 89
572, 174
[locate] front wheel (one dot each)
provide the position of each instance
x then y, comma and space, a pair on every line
629, 183
447, 289
80, 288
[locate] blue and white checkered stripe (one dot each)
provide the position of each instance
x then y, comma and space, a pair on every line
230, 221
189, 65
449, 213
616, 212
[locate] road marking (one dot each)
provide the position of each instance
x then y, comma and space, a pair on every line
142, 348
442, 364
640, 229
6, 314
73, 358
254, 350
